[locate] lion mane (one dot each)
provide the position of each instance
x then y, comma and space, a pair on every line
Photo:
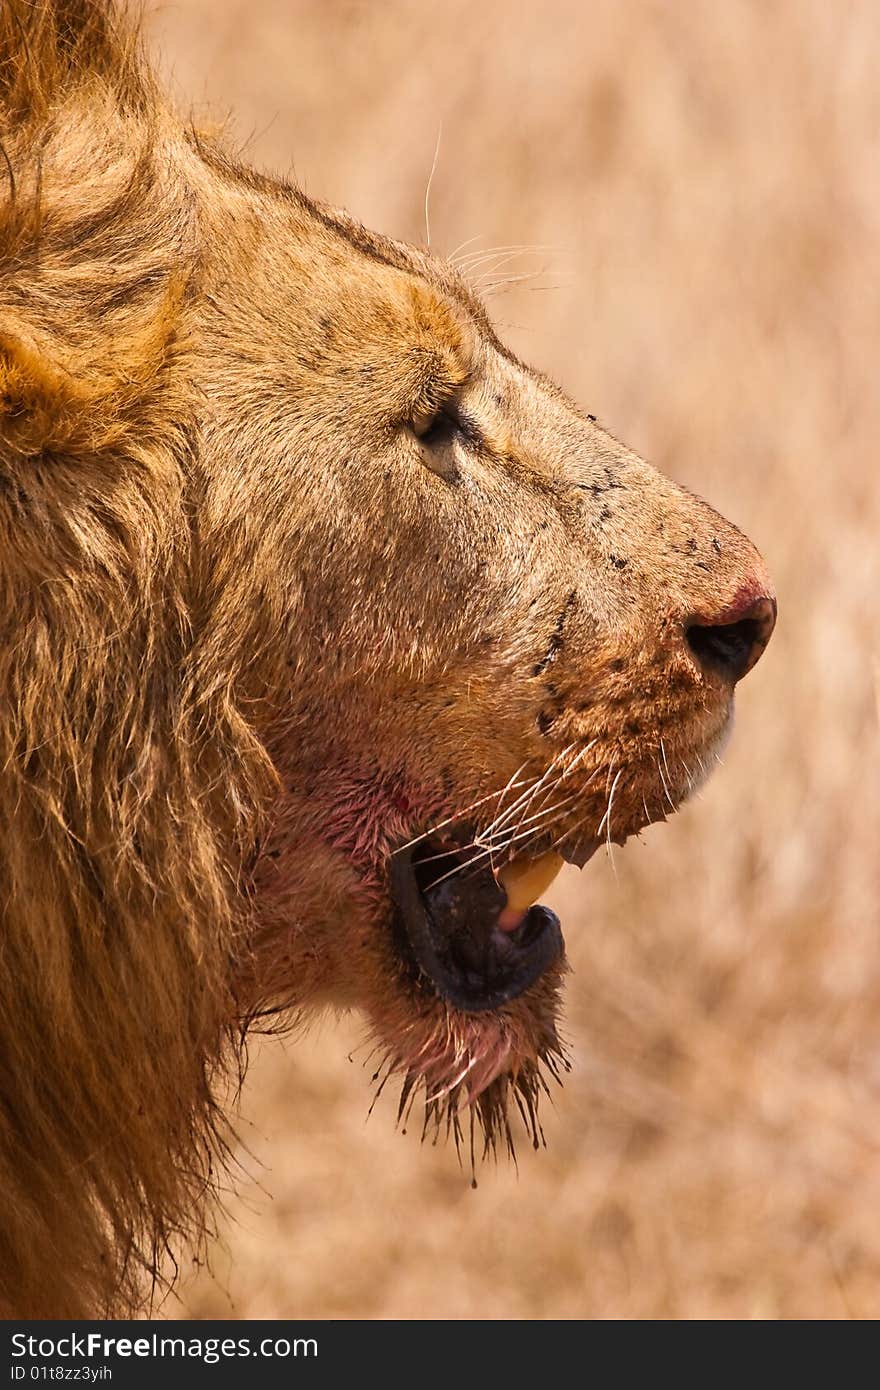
126, 770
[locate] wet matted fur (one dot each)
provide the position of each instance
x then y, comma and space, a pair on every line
297, 563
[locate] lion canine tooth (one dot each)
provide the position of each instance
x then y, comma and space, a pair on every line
524, 879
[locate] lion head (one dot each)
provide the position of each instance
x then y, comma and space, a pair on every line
329, 630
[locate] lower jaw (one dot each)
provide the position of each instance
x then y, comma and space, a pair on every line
458, 939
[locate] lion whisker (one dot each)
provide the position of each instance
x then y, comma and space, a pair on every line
570, 832
566, 800
459, 815
473, 258
490, 282
453, 255
663, 776
468, 865
528, 797
605, 822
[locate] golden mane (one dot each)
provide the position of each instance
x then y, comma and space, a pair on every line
119, 933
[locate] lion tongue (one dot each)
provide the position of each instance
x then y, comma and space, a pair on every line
524, 880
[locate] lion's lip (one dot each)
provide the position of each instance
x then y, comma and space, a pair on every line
445, 919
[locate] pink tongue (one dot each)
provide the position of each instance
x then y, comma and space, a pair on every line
510, 918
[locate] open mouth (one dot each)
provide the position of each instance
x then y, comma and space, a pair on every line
473, 931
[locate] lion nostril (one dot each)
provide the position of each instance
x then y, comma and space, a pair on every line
730, 648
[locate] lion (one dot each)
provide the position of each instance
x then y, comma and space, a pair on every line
328, 631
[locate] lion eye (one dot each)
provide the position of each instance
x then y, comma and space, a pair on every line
436, 430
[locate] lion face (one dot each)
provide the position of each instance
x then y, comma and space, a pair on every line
496, 638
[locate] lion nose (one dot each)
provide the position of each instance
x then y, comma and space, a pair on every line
729, 645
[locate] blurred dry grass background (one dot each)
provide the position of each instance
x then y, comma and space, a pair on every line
702, 181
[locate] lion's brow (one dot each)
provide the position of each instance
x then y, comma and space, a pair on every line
377, 248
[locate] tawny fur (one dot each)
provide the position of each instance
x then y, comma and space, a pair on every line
252, 637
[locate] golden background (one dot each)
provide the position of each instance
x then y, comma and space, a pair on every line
696, 189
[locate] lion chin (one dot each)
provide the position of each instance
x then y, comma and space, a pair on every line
473, 1075
328, 630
